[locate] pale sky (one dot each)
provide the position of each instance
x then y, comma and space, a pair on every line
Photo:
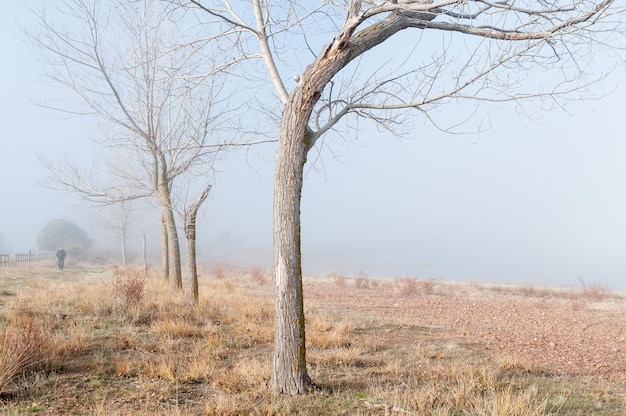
539, 202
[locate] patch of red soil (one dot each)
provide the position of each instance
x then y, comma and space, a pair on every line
557, 331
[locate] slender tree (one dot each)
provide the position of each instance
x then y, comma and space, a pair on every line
190, 216
119, 220
499, 43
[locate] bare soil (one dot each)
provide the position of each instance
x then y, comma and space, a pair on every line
561, 332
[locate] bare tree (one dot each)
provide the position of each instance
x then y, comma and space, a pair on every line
154, 89
471, 50
191, 213
119, 221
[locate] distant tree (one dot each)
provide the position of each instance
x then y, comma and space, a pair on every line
119, 221
64, 233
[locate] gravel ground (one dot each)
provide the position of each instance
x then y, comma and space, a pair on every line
559, 331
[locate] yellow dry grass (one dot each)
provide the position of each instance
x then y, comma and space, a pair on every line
74, 343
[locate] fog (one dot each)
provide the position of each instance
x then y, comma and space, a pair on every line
537, 202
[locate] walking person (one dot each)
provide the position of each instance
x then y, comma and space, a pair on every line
61, 257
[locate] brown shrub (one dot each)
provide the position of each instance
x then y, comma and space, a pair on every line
339, 279
258, 275
595, 291
411, 286
408, 285
218, 271
129, 287
362, 281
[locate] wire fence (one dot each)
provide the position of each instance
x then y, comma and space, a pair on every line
22, 259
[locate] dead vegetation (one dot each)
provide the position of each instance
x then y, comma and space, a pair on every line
117, 343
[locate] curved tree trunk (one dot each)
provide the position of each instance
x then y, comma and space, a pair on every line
190, 233
289, 370
296, 139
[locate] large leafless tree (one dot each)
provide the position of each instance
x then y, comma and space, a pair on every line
456, 50
154, 91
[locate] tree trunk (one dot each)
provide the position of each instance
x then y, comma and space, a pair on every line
124, 245
296, 139
289, 370
145, 257
192, 269
190, 233
176, 276
165, 247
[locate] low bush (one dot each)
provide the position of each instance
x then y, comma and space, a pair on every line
129, 287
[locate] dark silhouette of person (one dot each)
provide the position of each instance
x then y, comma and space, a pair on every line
61, 257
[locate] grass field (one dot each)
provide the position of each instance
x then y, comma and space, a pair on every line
97, 340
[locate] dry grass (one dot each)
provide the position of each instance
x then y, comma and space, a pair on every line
71, 349
218, 271
338, 279
363, 281
20, 346
258, 276
410, 286
593, 292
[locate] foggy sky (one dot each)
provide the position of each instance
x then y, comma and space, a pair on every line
524, 202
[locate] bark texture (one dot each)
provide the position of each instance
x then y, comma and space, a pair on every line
289, 371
